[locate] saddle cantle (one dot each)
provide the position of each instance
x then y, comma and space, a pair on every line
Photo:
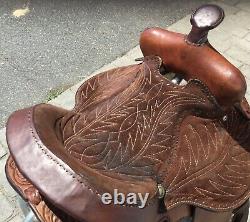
134, 131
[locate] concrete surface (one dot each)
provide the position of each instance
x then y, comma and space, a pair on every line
55, 43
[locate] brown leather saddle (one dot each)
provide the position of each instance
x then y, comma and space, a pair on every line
184, 148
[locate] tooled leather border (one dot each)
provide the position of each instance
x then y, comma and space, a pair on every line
42, 167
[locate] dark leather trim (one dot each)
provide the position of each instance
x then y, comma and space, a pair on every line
48, 213
56, 180
244, 108
41, 209
201, 215
241, 213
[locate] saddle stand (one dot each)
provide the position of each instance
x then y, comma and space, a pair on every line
135, 133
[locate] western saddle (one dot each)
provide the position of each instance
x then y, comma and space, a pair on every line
134, 130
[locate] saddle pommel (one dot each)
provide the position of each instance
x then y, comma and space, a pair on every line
192, 57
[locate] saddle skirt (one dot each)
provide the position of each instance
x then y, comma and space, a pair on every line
133, 130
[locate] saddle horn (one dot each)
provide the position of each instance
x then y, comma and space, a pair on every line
204, 19
193, 57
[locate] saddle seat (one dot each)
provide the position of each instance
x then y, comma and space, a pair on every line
135, 131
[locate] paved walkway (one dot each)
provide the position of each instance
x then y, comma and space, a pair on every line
231, 38
53, 44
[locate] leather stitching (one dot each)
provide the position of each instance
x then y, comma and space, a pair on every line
74, 176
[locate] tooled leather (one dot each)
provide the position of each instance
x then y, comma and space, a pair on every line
45, 214
144, 92
152, 128
129, 132
41, 209
48, 213
27, 190
22, 184
211, 165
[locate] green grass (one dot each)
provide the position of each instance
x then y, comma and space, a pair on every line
53, 93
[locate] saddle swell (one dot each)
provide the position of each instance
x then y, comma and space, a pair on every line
143, 132
202, 62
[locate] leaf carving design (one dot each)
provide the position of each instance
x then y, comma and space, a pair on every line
125, 119
131, 122
212, 164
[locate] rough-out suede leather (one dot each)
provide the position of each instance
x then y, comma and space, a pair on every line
131, 130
